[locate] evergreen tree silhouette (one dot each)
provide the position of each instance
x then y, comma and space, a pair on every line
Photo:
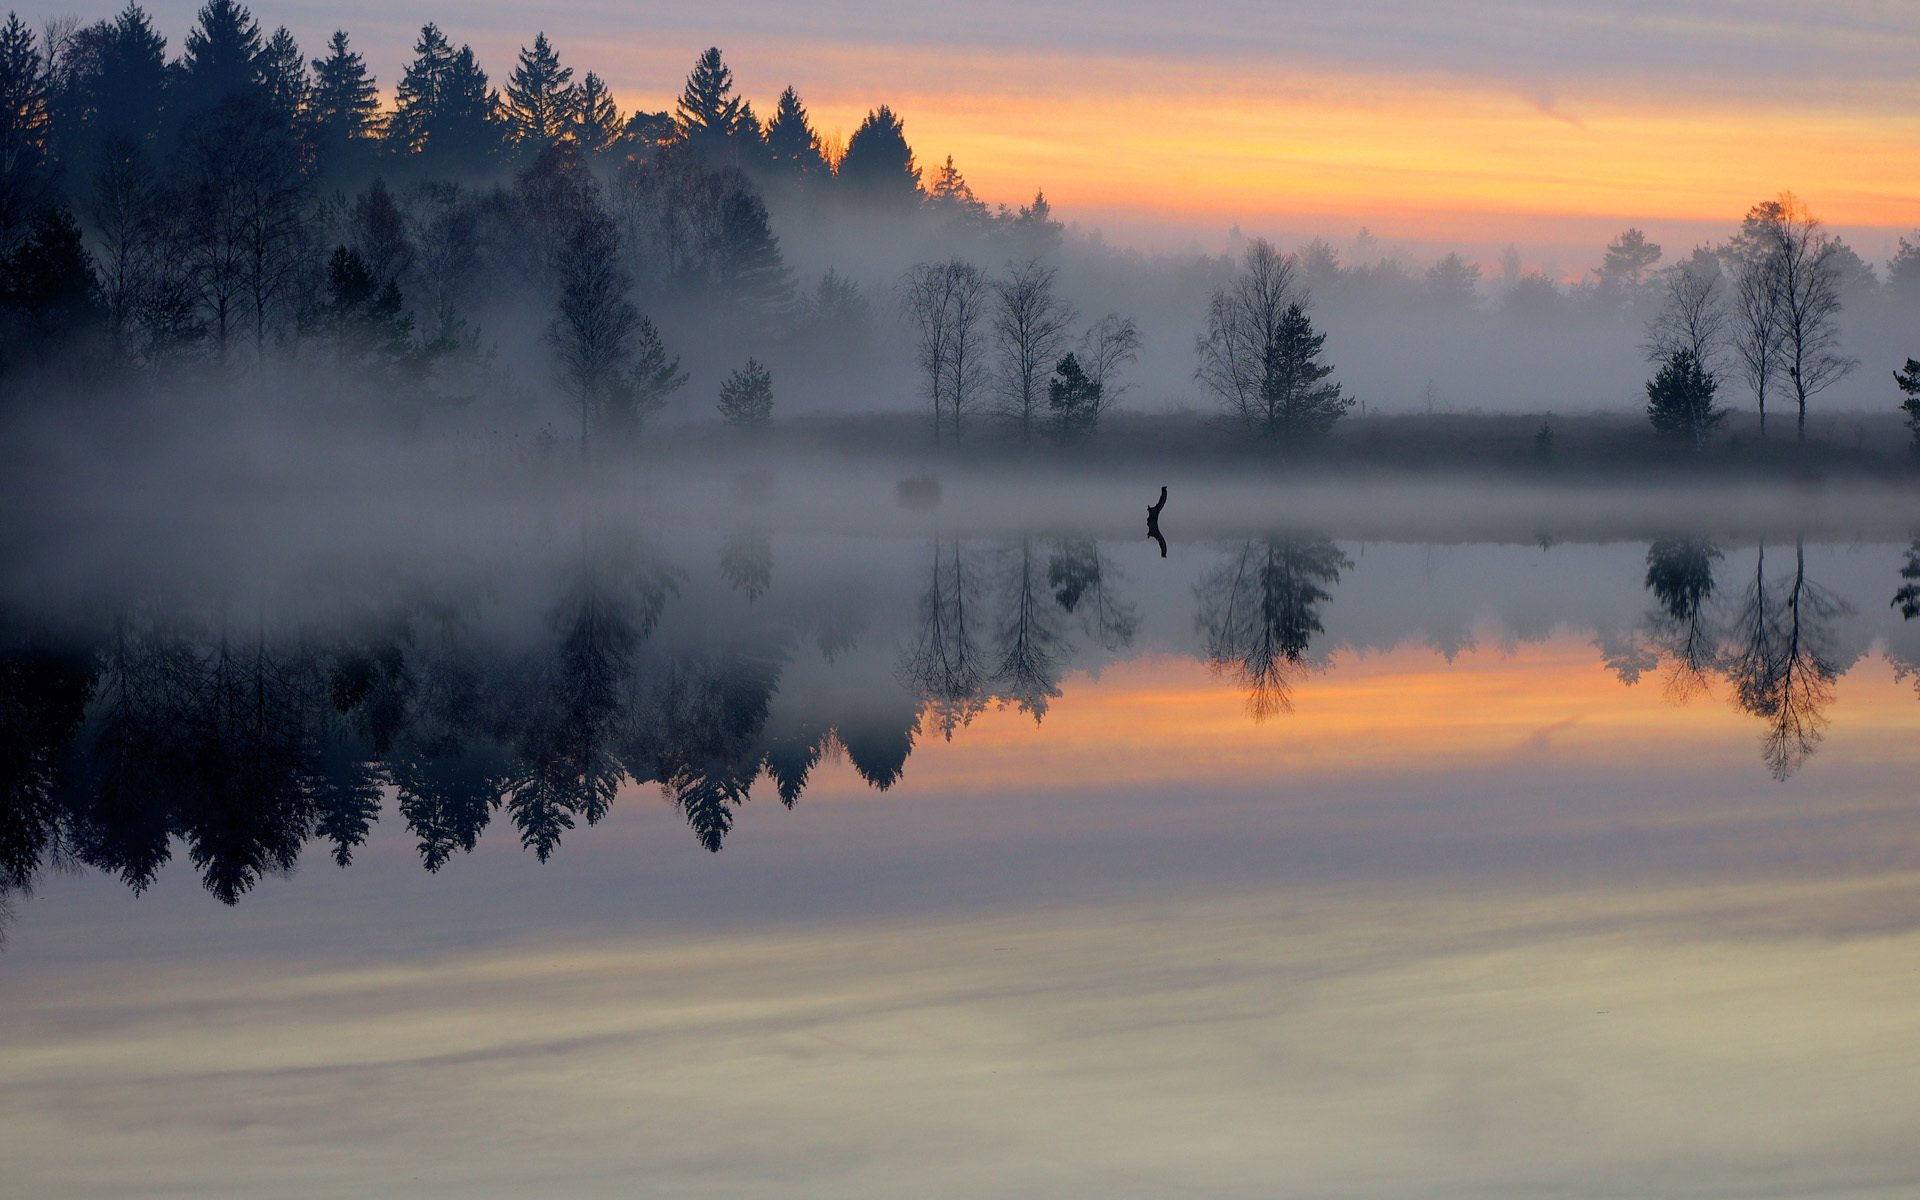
221, 61
792, 144
26, 127
879, 167
541, 101
595, 123
343, 108
708, 117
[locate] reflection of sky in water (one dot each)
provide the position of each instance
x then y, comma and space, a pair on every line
1472, 918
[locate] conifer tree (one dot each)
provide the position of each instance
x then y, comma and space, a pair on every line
343, 105
1073, 400
746, 398
951, 197
595, 124
879, 166
540, 99
1908, 381
1295, 395
791, 141
119, 98
443, 110
1680, 398
283, 77
221, 59
25, 126
707, 116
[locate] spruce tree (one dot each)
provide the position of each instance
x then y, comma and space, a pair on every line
746, 398
443, 111
951, 197
343, 104
791, 141
1073, 399
878, 166
284, 79
221, 59
707, 115
420, 100
540, 100
119, 99
1680, 398
1296, 400
595, 125
24, 129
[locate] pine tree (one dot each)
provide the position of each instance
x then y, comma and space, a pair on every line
221, 59
1909, 382
951, 197
1297, 401
1073, 399
1680, 398
595, 125
707, 115
879, 166
443, 110
25, 126
121, 96
791, 141
343, 104
541, 99
283, 77
746, 398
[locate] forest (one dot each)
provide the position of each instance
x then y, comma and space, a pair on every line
244, 226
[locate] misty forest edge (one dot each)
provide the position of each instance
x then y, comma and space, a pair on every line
242, 219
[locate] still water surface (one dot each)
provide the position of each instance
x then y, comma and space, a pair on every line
738, 861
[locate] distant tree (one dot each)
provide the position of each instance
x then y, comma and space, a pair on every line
379, 234
951, 198
1453, 283
1032, 228
945, 303
878, 167
1692, 314
541, 101
1903, 271
1073, 400
1109, 345
244, 191
1908, 380
595, 123
746, 397
1757, 336
1260, 354
1623, 272
1680, 576
645, 134
1680, 398
792, 144
708, 116
26, 129
1030, 325
343, 107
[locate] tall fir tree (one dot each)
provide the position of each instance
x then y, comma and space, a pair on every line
284, 79
443, 110
25, 127
879, 167
707, 115
540, 101
595, 125
343, 107
792, 143
952, 198
221, 60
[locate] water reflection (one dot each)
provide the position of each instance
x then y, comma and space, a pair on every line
238, 733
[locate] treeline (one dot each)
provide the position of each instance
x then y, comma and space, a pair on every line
242, 206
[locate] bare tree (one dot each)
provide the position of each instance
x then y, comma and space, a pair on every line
944, 666
1693, 314
1110, 343
945, 302
1806, 279
1756, 327
1260, 353
1030, 331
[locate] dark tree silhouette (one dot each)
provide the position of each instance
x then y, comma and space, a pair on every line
343, 108
792, 144
1260, 611
1779, 662
443, 112
950, 198
541, 102
1907, 599
1083, 585
26, 130
746, 397
1073, 401
1680, 399
221, 62
1260, 354
49, 298
709, 119
945, 666
946, 303
1029, 330
594, 124
1908, 381
1028, 637
1680, 576
878, 168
